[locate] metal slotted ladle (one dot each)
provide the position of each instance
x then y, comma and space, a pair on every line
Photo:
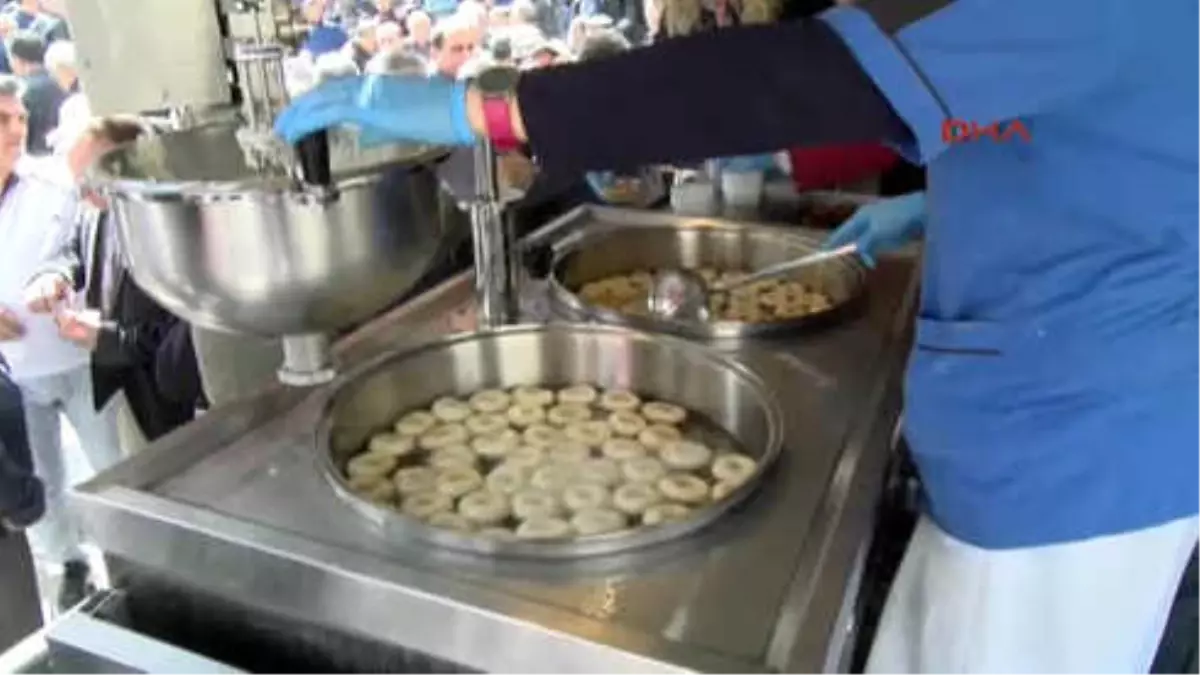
682, 295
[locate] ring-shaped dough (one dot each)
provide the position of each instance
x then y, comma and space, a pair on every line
484, 508
580, 394
635, 498
533, 503
533, 396
621, 449
542, 528
415, 479
661, 412
449, 409
683, 487
370, 464
449, 520
415, 423
592, 434
686, 455
526, 455
733, 468
600, 470
424, 505
582, 496
496, 446
664, 513
377, 489
524, 415
568, 413
655, 436
440, 437
487, 424
617, 400
542, 435
507, 479
391, 444
553, 477
455, 483
626, 423
490, 401
722, 490
568, 452
643, 470
591, 522
452, 457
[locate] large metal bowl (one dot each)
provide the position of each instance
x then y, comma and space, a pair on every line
228, 248
693, 244
370, 400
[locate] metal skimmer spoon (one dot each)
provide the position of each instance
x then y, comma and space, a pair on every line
682, 295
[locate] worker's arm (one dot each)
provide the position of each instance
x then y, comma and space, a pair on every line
733, 92
841, 78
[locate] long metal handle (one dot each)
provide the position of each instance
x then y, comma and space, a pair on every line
786, 267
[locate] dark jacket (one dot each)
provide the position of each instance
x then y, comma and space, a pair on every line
22, 497
42, 99
138, 338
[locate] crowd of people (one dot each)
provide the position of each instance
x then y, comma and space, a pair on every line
445, 39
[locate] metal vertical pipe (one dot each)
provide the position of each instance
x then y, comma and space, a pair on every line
495, 281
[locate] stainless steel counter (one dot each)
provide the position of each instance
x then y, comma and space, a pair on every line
234, 504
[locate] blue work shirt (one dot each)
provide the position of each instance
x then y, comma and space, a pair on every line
1052, 392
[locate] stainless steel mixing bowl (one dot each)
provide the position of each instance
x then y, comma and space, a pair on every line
228, 248
693, 244
726, 393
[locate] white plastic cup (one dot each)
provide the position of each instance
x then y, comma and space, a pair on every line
742, 190
695, 198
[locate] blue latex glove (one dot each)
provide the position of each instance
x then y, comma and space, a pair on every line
747, 163
385, 107
600, 182
881, 226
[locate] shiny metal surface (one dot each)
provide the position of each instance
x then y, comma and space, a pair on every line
496, 266
670, 369
786, 268
136, 56
227, 248
236, 504
652, 244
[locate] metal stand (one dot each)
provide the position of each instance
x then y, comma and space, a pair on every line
306, 360
497, 265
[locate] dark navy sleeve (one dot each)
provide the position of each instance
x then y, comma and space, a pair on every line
738, 91
982, 61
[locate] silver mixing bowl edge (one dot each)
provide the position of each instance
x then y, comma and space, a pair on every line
626, 248
736, 397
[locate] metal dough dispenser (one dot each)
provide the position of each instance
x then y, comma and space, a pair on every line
219, 221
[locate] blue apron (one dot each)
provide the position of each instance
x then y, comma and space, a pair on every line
1052, 392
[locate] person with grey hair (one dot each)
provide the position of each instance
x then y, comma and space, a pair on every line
53, 374
419, 26
333, 65
521, 33
60, 64
396, 62
363, 43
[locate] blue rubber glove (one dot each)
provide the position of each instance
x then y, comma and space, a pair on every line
600, 182
385, 107
881, 226
747, 163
